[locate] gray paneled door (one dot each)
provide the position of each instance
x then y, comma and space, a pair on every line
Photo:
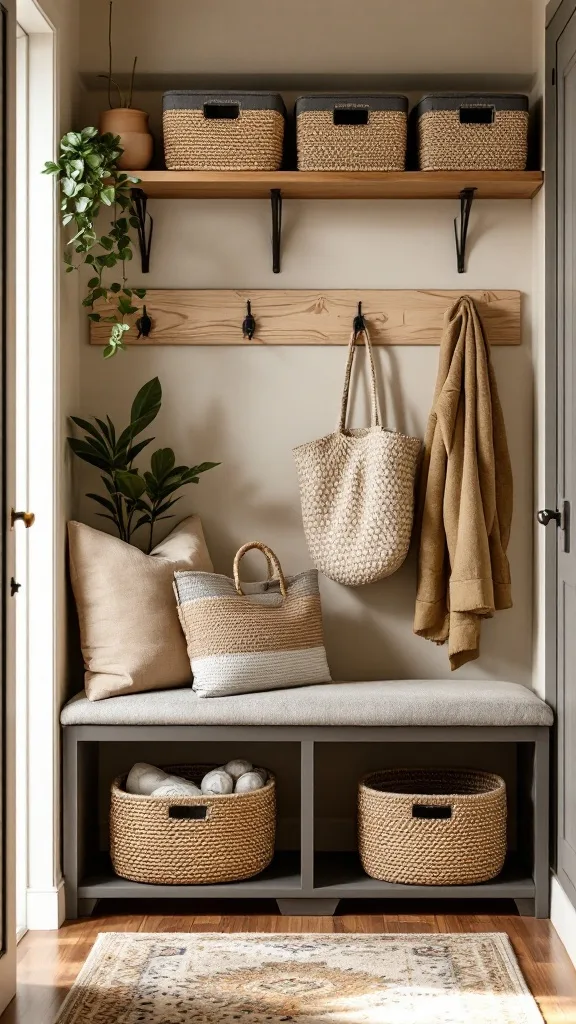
563, 75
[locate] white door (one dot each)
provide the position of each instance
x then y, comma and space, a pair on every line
7, 477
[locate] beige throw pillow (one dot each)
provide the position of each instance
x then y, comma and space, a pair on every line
129, 629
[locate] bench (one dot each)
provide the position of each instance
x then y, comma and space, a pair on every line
390, 712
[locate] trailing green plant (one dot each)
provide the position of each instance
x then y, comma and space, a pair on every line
90, 181
134, 500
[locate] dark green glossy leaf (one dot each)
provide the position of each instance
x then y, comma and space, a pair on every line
135, 450
161, 463
130, 484
103, 501
146, 405
89, 428
87, 454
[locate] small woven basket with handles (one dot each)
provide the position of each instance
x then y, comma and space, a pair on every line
351, 133
223, 131
192, 840
432, 827
459, 132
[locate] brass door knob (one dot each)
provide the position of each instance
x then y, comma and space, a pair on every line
26, 517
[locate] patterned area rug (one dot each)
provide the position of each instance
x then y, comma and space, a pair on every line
337, 979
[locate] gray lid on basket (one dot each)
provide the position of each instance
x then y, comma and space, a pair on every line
196, 99
331, 101
455, 100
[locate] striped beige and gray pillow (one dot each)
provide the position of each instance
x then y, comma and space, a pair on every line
256, 639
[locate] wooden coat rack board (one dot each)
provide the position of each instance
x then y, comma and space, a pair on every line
311, 317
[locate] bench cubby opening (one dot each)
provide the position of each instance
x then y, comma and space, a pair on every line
316, 863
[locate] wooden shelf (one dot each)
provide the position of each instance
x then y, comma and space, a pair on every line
339, 185
337, 875
281, 880
341, 875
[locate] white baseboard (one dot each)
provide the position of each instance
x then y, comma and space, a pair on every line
45, 908
563, 917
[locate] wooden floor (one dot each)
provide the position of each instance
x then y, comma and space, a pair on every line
50, 961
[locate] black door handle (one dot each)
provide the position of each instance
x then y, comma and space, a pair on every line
546, 515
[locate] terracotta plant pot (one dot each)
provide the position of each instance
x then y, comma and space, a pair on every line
135, 138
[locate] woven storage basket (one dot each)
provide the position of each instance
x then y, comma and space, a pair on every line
223, 131
459, 132
351, 133
197, 840
445, 827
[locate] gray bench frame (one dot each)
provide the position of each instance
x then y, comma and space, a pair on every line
304, 892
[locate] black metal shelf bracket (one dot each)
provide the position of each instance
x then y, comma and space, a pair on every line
466, 200
145, 227
276, 202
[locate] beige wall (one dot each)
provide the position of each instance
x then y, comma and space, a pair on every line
249, 407
415, 37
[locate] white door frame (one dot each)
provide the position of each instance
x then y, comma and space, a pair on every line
8, 952
38, 764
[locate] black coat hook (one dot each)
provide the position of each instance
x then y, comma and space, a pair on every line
249, 323
359, 321
144, 324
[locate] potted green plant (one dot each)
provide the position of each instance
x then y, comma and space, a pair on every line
134, 500
127, 122
91, 181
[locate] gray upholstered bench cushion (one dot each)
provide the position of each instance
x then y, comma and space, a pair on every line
392, 703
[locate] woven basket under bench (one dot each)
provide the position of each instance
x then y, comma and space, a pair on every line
432, 827
192, 840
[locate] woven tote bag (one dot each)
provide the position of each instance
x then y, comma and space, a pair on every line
252, 636
357, 492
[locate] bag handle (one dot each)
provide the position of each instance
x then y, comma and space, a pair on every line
376, 415
274, 567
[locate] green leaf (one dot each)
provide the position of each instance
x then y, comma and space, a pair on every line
51, 168
146, 406
89, 133
112, 430
99, 446
93, 282
106, 243
93, 160
89, 428
105, 429
144, 520
125, 306
108, 485
203, 468
115, 287
164, 507
133, 452
140, 292
108, 195
103, 501
131, 485
95, 317
87, 454
68, 186
109, 351
162, 462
